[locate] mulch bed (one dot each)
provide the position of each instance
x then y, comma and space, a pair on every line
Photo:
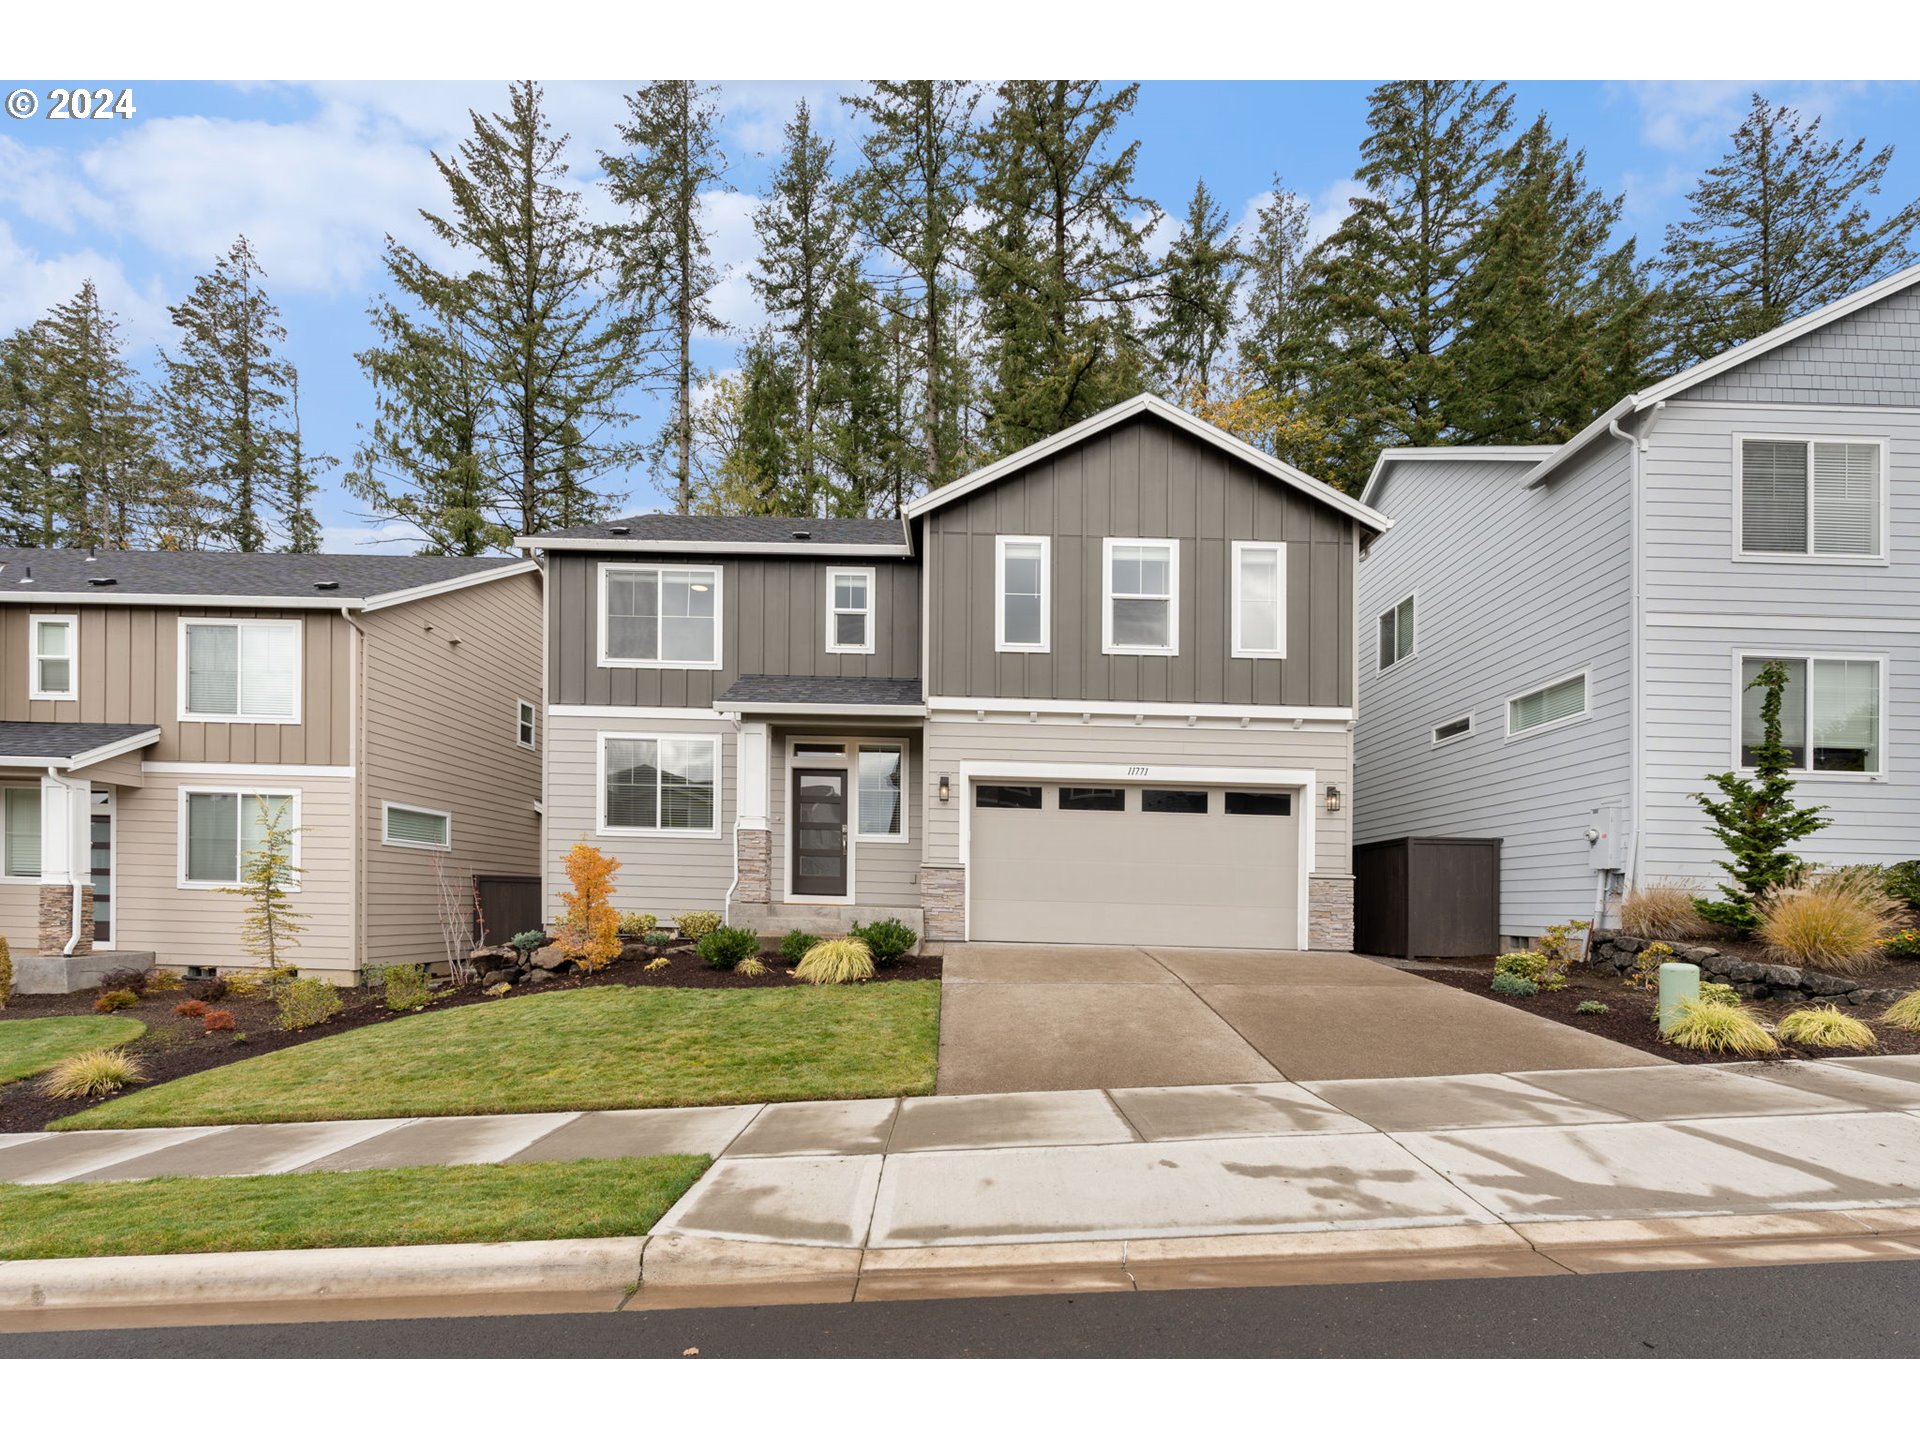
1629, 1018
175, 1045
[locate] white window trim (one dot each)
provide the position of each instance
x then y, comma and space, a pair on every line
72, 692
293, 795
906, 789
1240, 650
866, 573
1437, 739
1001, 644
1789, 652
1586, 702
1380, 668
713, 572
387, 807
1744, 556
525, 711
35, 879
1107, 645
601, 827
299, 629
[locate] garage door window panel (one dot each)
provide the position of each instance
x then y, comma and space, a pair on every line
1259, 802
1142, 609
1173, 802
1007, 797
1092, 797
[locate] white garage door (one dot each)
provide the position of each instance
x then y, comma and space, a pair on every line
1119, 865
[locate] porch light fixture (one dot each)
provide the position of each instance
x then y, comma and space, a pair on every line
946, 791
1333, 799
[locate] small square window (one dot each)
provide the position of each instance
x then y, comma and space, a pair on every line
55, 658
526, 724
850, 612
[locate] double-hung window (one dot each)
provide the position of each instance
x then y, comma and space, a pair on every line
1831, 718
1396, 634
1821, 499
56, 658
660, 616
244, 670
220, 828
883, 814
1141, 613
1021, 621
849, 612
23, 833
1555, 704
658, 784
1259, 600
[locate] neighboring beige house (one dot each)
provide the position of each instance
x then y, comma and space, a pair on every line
1102, 691
389, 706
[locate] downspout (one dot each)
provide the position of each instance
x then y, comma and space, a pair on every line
1636, 447
726, 906
75, 876
357, 901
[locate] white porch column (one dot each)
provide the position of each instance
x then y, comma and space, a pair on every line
66, 865
751, 776
752, 836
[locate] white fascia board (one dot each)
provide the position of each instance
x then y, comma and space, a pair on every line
30, 596
458, 582
1517, 454
632, 545
1153, 405
757, 707
1004, 705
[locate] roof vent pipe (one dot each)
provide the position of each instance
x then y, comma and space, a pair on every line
27, 579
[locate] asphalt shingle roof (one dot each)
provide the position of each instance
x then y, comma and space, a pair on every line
50, 741
828, 691
734, 530
229, 573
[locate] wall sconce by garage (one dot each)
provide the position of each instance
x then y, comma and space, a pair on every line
1333, 799
946, 791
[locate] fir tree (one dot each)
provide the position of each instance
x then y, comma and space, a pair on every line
271, 926
302, 480
1194, 310
29, 488
864, 437
1755, 817
1275, 329
1779, 227
666, 271
764, 466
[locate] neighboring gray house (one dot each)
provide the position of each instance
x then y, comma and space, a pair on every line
1561, 636
1101, 690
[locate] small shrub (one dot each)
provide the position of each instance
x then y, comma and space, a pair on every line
1645, 974
112, 1000
659, 962
1662, 910
92, 1074
1905, 944
497, 990
1527, 965
1827, 1027
1592, 1007
725, 948
1715, 992
753, 965
1507, 983
162, 981
657, 939
216, 1020
1722, 1029
638, 922
887, 939
6, 972
696, 925
404, 987
134, 980
247, 984
528, 941
1904, 1013
836, 962
794, 947
1559, 949
192, 1009
304, 1003
1837, 921
209, 990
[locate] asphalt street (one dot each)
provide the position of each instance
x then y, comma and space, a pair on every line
1856, 1310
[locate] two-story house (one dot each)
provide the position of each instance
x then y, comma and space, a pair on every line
1563, 637
155, 707
1099, 691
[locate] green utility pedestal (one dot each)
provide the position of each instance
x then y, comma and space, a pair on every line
1678, 981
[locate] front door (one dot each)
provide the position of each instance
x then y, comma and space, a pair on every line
820, 833
101, 838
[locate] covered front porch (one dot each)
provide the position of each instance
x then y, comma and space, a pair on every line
829, 771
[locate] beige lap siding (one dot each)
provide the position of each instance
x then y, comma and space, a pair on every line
202, 927
20, 913
665, 874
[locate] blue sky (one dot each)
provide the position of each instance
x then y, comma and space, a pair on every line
316, 174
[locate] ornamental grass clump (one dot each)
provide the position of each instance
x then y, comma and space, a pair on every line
1904, 1013
836, 962
1826, 1027
1837, 921
89, 1075
752, 966
1662, 910
1721, 1029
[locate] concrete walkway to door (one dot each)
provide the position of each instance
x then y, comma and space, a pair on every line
1094, 1017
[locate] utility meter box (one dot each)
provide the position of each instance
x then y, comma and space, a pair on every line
1609, 839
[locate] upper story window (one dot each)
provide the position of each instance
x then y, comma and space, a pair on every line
1396, 634
526, 724
56, 658
1555, 704
1259, 600
1141, 610
1021, 566
245, 670
849, 612
1821, 499
1831, 717
660, 616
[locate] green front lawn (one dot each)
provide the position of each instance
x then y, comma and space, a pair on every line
29, 1046
432, 1205
612, 1047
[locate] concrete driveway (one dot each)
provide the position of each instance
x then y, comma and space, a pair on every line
1091, 1017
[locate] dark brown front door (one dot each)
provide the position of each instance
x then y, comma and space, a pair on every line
820, 832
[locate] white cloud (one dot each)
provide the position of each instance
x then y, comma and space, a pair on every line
36, 283
728, 218
379, 538
1330, 207
1687, 115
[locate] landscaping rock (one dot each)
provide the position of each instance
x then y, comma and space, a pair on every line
548, 957
1743, 970
634, 950
491, 952
496, 977
538, 976
1818, 984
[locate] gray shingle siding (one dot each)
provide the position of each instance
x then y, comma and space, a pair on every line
1872, 357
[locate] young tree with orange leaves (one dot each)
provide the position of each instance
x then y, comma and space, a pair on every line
589, 927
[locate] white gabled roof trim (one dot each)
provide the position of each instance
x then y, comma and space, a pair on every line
1173, 415
443, 587
1389, 458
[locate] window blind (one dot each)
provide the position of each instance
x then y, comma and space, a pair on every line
416, 827
1846, 499
1259, 599
267, 677
1773, 496
213, 670
23, 832
1846, 715
1560, 701
1020, 594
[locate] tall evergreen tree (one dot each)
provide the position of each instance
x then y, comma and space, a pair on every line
1058, 259
912, 190
1193, 312
303, 472
1386, 284
1275, 329
673, 157
865, 436
1779, 227
30, 492
550, 359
